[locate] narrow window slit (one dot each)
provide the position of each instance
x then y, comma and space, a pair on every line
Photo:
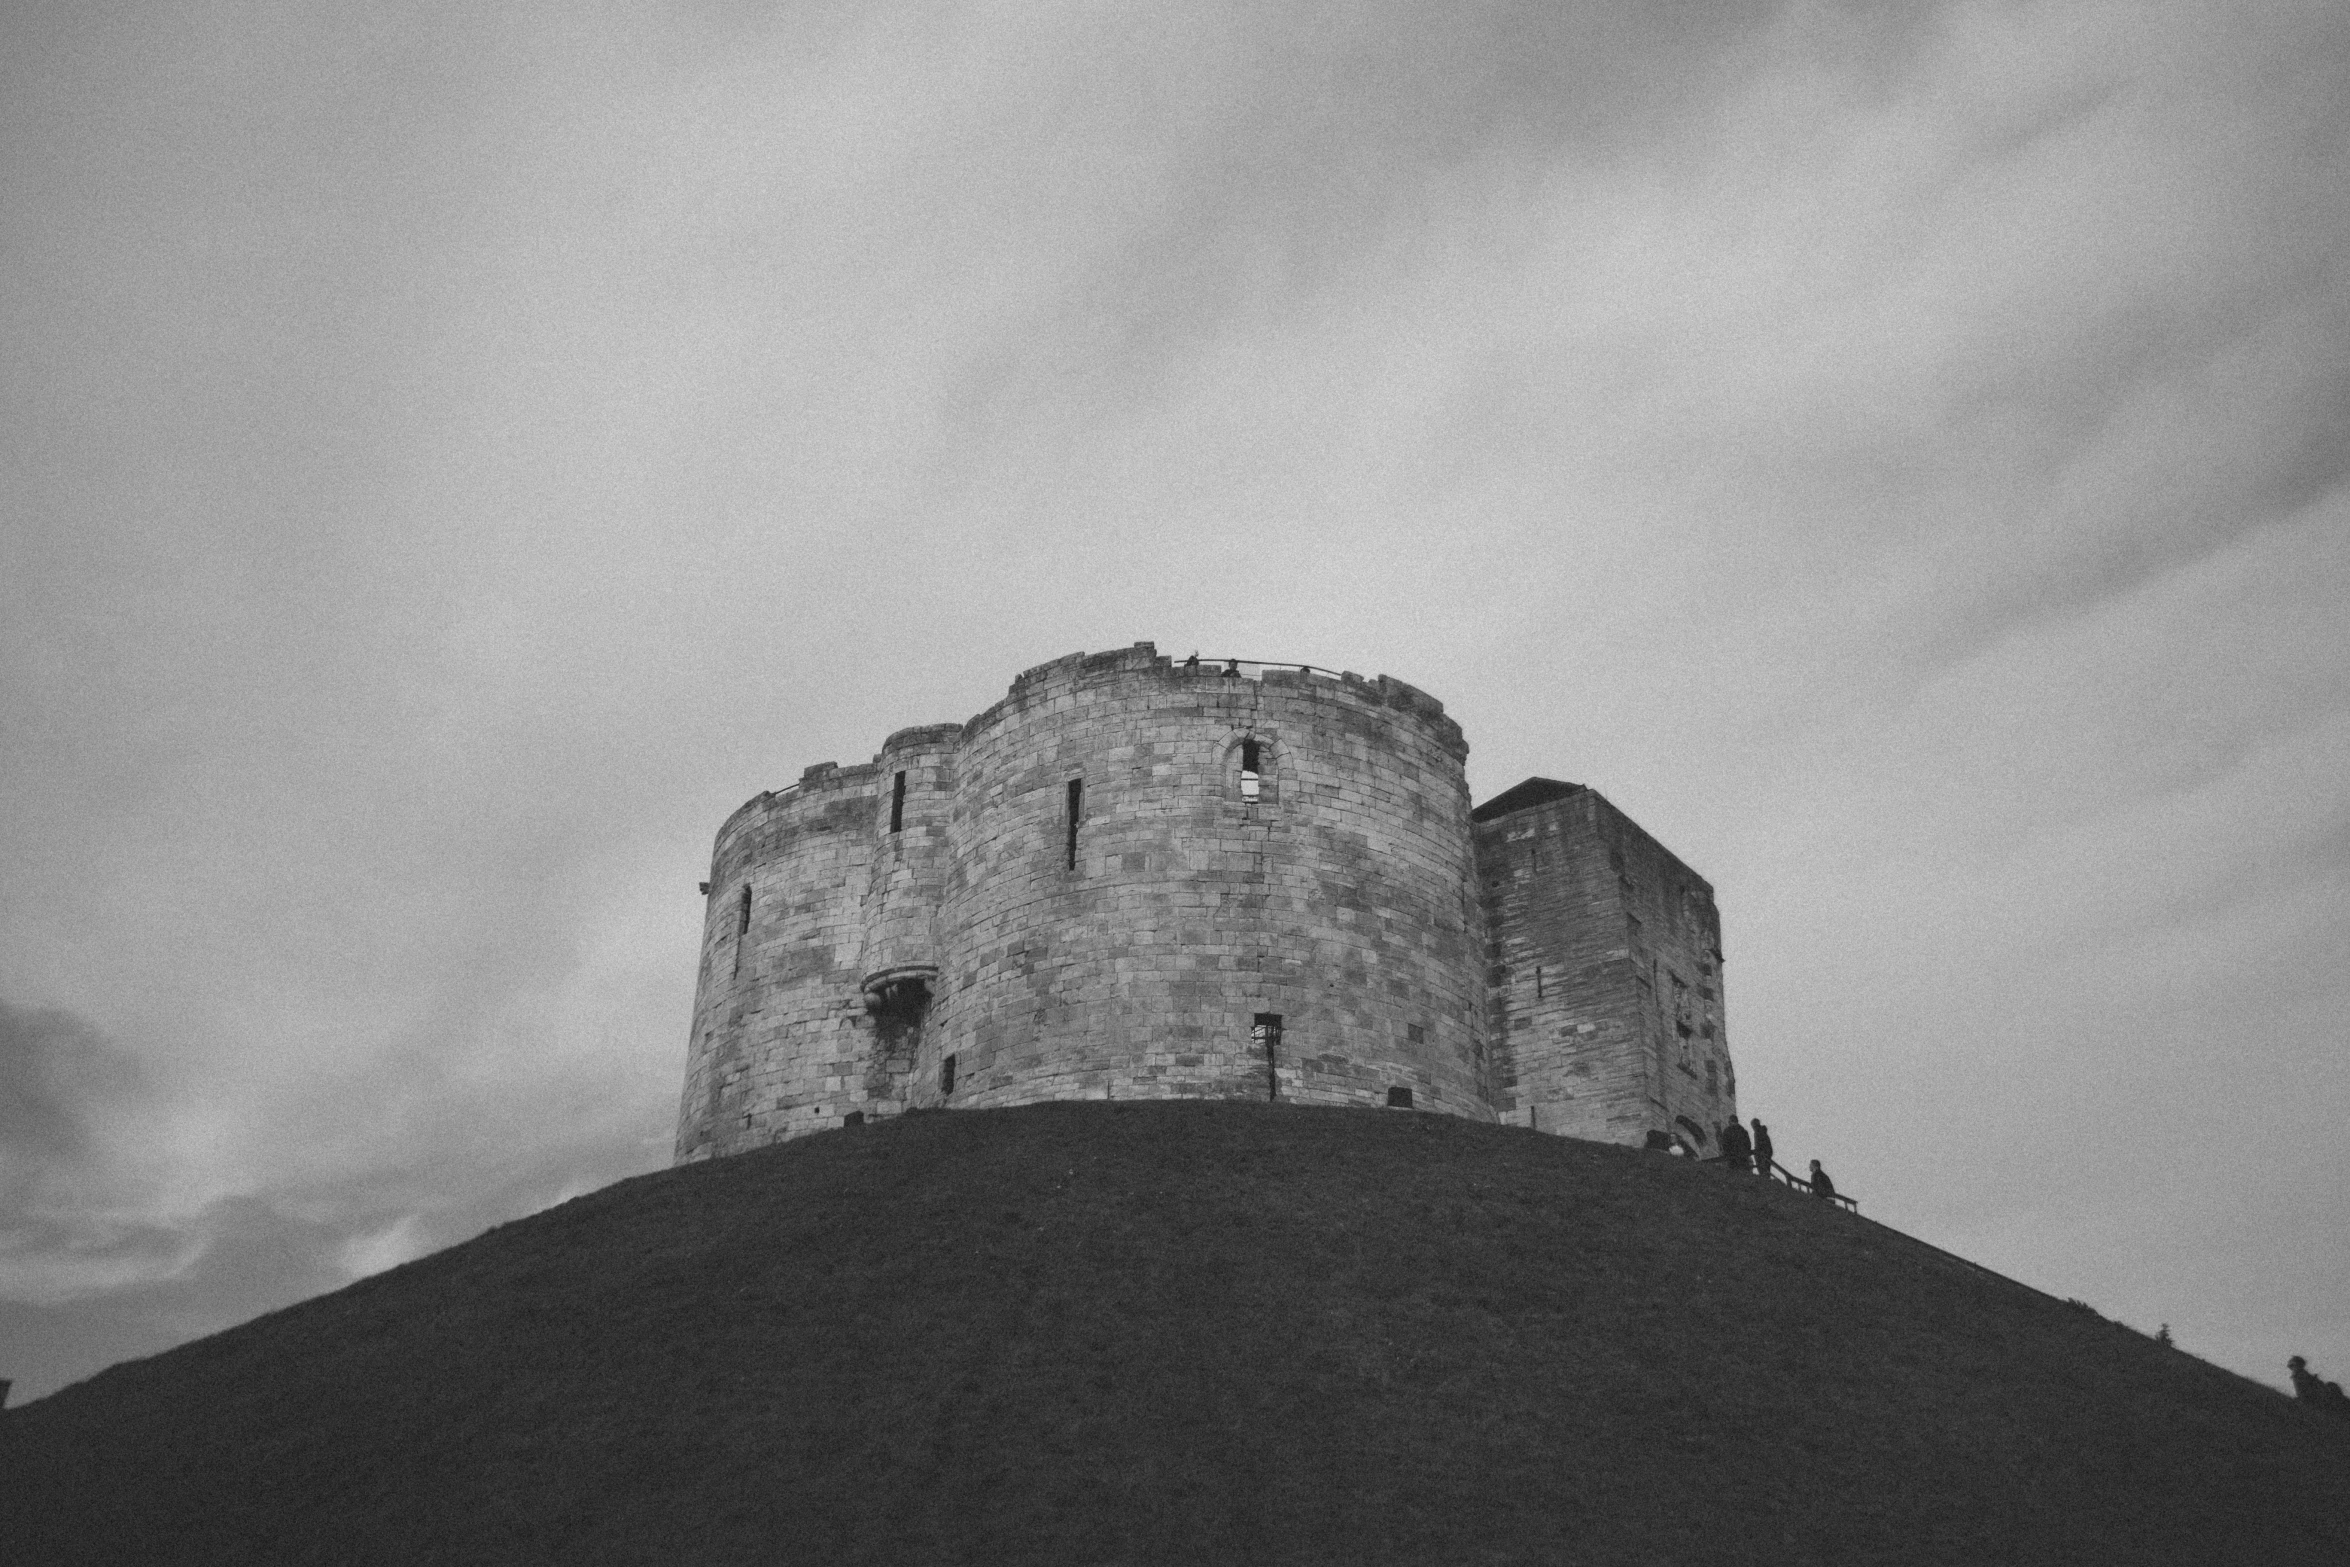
946, 1075
897, 805
1251, 778
1076, 815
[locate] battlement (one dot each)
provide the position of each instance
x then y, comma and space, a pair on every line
1075, 673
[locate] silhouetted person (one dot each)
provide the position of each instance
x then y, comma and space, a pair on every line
1232, 669
1191, 665
1762, 1149
1821, 1186
2311, 1388
1736, 1149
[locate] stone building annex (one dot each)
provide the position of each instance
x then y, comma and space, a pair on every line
1135, 877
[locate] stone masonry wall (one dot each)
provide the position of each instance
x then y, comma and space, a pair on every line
779, 1021
1133, 959
1606, 976
1079, 894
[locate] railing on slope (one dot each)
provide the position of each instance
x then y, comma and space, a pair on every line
1780, 1172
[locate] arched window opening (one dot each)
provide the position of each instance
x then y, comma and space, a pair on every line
1251, 778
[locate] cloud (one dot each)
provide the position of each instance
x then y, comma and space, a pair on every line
57, 1074
71, 1108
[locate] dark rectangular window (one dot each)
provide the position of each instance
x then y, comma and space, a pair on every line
1399, 1099
742, 917
1538, 982
1076, 815
897, 805
1415, 1033
1265, 1034
946, 1075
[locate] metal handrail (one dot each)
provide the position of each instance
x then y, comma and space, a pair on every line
1781, 1172
1198, 665
1848, 1204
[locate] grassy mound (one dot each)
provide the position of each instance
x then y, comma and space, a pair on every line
1175, 1333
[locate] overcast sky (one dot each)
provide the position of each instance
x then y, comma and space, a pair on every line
448, 460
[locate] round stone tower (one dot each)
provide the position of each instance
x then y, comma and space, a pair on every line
779, 1010
1176, 880
1130, 878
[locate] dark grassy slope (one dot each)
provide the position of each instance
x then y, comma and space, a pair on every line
1179, 1332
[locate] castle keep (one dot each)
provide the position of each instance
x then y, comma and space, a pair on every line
1138, 878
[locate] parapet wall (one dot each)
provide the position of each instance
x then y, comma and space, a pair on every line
1137, 878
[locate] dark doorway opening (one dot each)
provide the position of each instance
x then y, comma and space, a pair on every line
1265, 1034
899, 1010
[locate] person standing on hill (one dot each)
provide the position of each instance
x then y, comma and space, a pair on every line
1762, 1149
2311, 1388
1821, 1186
1735, 1147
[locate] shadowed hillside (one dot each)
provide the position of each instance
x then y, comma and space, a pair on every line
1179, 1332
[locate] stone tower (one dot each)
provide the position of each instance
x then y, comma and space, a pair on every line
1137, 878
